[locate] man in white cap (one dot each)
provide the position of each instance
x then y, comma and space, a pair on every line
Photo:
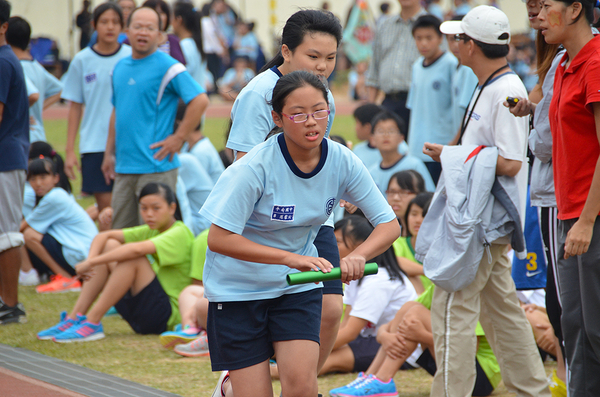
483, 37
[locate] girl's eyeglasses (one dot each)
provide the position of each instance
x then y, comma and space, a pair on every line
302, 117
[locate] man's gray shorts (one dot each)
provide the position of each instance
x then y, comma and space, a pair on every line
12, 185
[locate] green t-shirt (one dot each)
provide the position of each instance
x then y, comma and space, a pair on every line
171, 262
199, 255
403, 249
485, 355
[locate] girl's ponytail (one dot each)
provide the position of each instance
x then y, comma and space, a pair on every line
43, 149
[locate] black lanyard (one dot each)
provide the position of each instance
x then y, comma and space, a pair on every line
465, 124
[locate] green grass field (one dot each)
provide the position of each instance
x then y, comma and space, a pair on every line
141, 358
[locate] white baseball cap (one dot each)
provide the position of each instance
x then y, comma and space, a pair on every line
486, 24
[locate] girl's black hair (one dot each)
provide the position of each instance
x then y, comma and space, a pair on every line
302, 23
164, 7
41, 149
41, 166
587, 8
422, 201
165, 192
409, 180
291, 82
356, 229
102, 8
339, 139
190, 19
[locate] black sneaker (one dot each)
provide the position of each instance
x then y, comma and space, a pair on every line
15, 314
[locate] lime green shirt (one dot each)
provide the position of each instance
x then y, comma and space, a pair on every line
485, 355
199, 255
404, 249
171, 261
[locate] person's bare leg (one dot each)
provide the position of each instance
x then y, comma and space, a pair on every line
134, 275
92, 287
33, 242
377, 362
253, 381
340, 360
25, 261
103, 200
560, 364
297, 361
331, 314
10, 262
188, 298
202, 312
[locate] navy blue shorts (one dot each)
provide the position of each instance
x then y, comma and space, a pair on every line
91, 174
364, 349
149, 311
327, 248
54, 248
241, 334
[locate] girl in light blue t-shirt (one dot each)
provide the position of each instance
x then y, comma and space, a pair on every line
266, 210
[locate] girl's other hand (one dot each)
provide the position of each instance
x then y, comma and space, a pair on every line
579, 238
306, 263
352, 267
393, 344
84, 269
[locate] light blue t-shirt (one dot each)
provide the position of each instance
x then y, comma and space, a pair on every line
267, 199
193, 60
430, 104
370, 155
230, 75
46, 85
31, 88
198, 185
88, 81
464, 82
184, 203
28, 199
59, 215
382, 176
248, 46
146, 93
251, 114
207, 155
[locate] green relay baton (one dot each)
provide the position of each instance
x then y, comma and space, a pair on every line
315, 277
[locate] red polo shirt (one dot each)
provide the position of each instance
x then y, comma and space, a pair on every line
575, 147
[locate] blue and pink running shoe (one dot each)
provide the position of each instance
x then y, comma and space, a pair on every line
85, 331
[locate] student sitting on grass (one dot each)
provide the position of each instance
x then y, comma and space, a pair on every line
404, 247
370, 302
58, 232
402, 188
400, 338
388, 131
119, 271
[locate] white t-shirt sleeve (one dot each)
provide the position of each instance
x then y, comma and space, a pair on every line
73, 84
232, 201
372, 297
50, 209
509, 135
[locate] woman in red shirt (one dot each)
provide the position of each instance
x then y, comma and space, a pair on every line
575, 125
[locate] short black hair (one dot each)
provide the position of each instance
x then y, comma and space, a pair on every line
493, 51
102, 8
139, 8
387, 115
4, 11
365, 113
427, 21
18, 33
164, 7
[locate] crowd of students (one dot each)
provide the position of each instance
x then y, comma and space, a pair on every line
196, 250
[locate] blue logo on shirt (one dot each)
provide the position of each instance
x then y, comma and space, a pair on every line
475, 116
90, 78
329, 206
283, 213
437, 85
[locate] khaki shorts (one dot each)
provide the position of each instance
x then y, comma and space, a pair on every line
126, 191
11, 208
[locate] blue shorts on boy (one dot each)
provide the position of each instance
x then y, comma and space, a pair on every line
382, 175
88, 81
267, 199
251, 112
59, 215
430, 104
207, 155
47, 85
150, 89
92, 178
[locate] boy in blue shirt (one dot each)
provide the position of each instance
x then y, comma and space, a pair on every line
14, 146
430, 95
388, 133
